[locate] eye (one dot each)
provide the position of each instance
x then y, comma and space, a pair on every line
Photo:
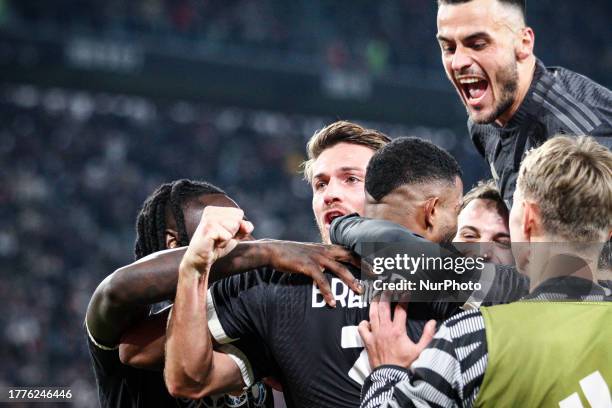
447, 48
505, 244
319, 185
353, 179
478, 45
469, 235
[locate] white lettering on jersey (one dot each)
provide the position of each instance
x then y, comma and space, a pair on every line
595, 390
573, 401
338, 286
317, 298
344, 296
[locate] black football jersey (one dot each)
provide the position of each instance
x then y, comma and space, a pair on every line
284, 329
123, 386
120, 385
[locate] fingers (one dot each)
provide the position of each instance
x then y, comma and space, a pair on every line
365, 332
343, 273
399, 317
220, 234
355, 260
367, 271
384, 309
244, 229
342, 254
321, 281
374, 318
428, 333
231, 225
229, 219
222, 213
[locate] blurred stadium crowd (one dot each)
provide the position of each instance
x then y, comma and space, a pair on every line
75, 166
375, 37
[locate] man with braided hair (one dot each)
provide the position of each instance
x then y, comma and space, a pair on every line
167, 220
162, 224
118, 320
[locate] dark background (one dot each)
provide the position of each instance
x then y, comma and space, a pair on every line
102, 101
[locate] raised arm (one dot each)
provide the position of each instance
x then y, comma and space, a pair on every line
123, 298
351, 231
192, 368
500, 283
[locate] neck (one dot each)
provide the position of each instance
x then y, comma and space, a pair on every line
388, 212
526, 72
563, 263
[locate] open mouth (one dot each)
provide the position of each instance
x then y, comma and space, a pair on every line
332, 215
474, 89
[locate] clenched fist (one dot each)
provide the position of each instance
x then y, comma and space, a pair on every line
218, 232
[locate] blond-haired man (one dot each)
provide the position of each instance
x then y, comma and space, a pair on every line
527, 353
338, 156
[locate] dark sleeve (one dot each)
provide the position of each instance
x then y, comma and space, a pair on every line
107, 371
120, 385
352, 230
238, 320
361, 235
105, 359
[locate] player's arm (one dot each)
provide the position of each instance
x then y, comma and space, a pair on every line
372, 238
428, 373
352, 230
122, 298
143, 345
500, 284
307, 259
192, 368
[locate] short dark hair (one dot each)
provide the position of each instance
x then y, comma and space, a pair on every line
520, 4
408, 160
151, 220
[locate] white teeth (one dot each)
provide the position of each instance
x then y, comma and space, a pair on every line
469, 80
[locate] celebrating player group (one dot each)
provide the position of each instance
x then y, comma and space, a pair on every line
208, 316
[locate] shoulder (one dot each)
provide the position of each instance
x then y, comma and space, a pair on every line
573, 103
463, 325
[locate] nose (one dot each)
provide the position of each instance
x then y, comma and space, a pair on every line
332, 193
486, 250
461, 60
